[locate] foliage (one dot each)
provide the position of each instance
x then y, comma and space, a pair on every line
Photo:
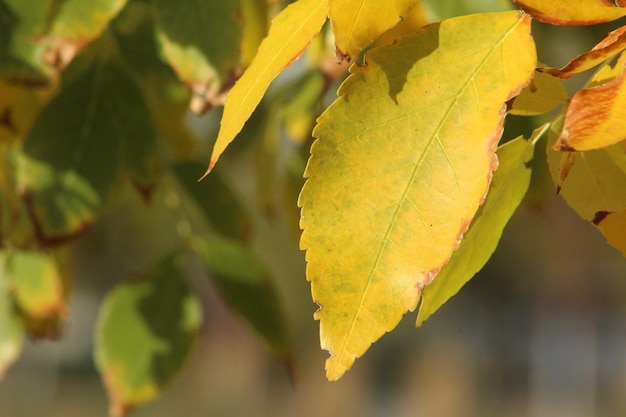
408, 189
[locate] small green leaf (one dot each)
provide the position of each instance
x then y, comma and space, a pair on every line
146, 330
509, 185
244, 283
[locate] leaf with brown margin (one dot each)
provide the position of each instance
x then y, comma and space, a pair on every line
356, 23
595, 115
543, 94
401, 163
290, 33
595, 181
572, 13
613, 227
610, 46
510, 183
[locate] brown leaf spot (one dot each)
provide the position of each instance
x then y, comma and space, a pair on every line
599, 216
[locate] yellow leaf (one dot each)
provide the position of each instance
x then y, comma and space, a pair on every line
510, 183
610, 46
595, 115
613, 226
401, 163
290, 33
544, 93
592, 181
356, 23
567, 12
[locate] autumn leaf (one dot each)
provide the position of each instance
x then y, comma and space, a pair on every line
543, 94
401, 163
595, 115
580, 12
356, 23
613, 227
290, 33
510, 183
610, 46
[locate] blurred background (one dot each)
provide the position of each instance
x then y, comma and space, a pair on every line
541, 331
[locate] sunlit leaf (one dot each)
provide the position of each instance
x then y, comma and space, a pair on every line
76, 24
613, 226
94, 128
290, 33
11, 330
38, 290
243, 282
592, 181
201, 40
402, 161
356, 23
610, 46
580, 12
146, 330
544, 94
216, 200
510, 183
595, 115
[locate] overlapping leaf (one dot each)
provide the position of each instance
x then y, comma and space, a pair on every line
356, 23
595, 115
613, 226
510, 183
201, 40
290, 33
146, 331
565, 12
96, 126
544, 94
402, 161
590, 182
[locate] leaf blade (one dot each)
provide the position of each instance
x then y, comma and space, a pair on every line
582, 12
363, 212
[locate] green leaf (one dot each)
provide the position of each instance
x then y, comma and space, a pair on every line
201, 40
289, 35
216, 200
509, 185
76, 24
94, 128
243, 282
38, 290
146, 330
11, 330
441, 10
401, 163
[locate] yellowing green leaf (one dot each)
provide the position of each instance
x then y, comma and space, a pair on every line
510, 183
613, 226
290, 33
592, 181
146, 330
38, 290
543, 94
356, 23
401, 163
566, 12
610, 46
595, 115
201, 41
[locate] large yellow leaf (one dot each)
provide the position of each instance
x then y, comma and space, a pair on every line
595, 115
401, 163
290, 33
358, 22
568, 12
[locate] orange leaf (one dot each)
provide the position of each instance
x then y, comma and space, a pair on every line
572, 13
610, 46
